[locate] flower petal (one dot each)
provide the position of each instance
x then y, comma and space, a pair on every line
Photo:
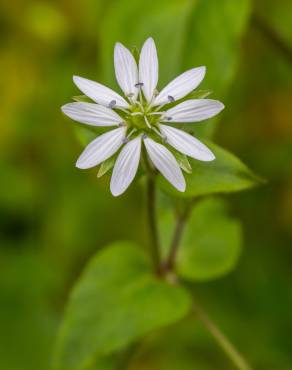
186, 143
165, 162
126, 70
180, 86
100, 93
193, 110
148, 68
92, 114
101, 148
126, 166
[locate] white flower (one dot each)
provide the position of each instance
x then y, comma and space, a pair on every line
140, 117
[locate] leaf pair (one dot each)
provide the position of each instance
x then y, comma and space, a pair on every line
117, 301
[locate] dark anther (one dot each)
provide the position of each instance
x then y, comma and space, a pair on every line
170, 98
168, 118
112, 104
139, 84
144, 136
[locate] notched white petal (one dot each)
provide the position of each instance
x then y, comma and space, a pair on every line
148, 68
180, 86
193, 110
91, 114
101, 148
126, 70
186, 143
165, 162
126, 166
100, 93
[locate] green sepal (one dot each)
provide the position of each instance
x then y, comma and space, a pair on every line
183, 162
106, 166
81, 98
136, 53
198, 94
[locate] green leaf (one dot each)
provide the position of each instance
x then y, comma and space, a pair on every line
211, 244
116, 301
223, 175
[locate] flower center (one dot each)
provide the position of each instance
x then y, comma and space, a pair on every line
142, 118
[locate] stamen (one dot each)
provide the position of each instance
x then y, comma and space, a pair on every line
131, 133
140, 96
155, 93
144, 136
139, 84
159, 107
112, 104
130, 95
140, 105
168, 118
153, 97
136, 114
124, 110
147, 122
156, 113
125, 140
159, 133
170, 98
122, 124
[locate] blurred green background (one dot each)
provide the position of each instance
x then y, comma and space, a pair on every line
54, 217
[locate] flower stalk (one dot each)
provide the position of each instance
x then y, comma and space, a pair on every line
152, 221
182, 218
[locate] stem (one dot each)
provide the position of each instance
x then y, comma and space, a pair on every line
273, 36
229, 349
178, 232
152, 219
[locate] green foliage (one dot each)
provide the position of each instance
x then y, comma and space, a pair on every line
211, 241
54, 216
117, 301
206, 33
211, 244
223, 175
